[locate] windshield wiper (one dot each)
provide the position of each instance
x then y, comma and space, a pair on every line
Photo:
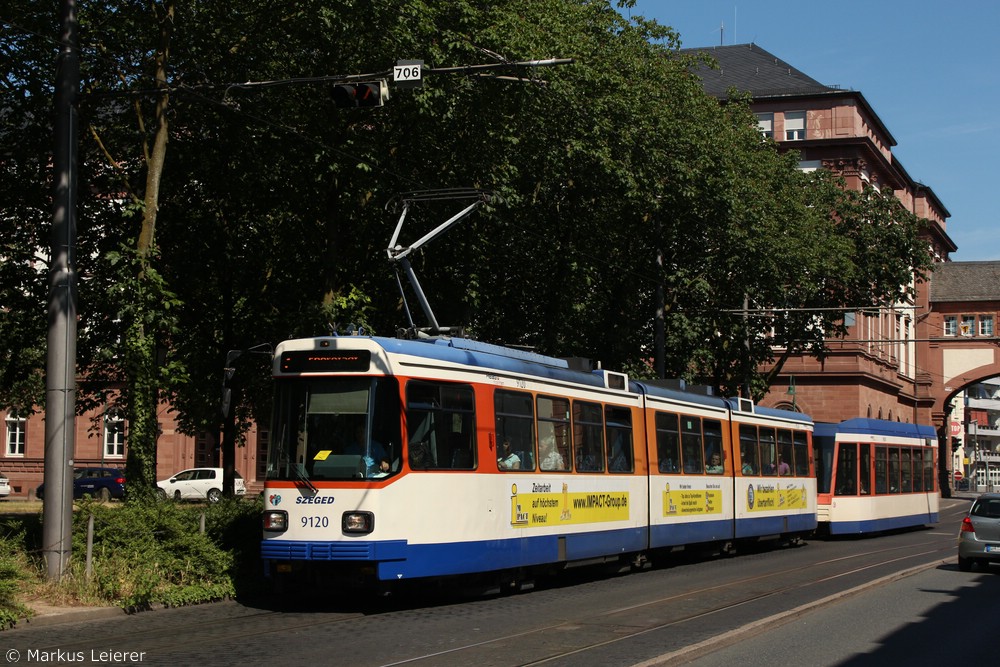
302, 478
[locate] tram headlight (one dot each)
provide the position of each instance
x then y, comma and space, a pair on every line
358, 522
275, 521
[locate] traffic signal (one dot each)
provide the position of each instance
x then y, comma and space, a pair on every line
365, 94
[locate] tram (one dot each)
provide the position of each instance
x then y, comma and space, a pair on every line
875, 475
397, 460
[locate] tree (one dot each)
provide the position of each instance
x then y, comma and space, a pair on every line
267, 217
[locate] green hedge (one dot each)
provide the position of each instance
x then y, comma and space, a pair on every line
143, 554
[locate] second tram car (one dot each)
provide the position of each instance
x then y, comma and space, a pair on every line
394, 460
875, 475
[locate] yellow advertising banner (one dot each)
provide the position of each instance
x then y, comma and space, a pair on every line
769, 496
682, 500
541, 507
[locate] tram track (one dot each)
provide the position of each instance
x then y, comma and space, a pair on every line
580, 631
461, 655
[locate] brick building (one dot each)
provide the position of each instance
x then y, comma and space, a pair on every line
101, 439
878, 370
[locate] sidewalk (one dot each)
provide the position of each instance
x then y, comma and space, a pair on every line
47, 614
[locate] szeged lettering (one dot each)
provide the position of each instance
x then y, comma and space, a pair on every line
314, 500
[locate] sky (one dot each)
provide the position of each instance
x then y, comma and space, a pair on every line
929, 69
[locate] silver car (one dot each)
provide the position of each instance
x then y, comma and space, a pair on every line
979, 538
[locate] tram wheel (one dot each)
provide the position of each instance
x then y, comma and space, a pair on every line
637, 562
510, 584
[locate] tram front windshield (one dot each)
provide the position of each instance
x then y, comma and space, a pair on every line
339, 428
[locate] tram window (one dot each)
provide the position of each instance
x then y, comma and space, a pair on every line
514, 414
553, 432
462, 452
748, 449
847, 470
320, 421
881, 471
918, 470
865, 469
588, 436
906, 470
929, 485
824, 448
619, 438
442, 423
713, 447
386, 424
785, 457
668, 443
801, 446
768, 452
332, 416
893, 470
691, 445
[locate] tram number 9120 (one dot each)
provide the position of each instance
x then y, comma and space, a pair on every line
315, 521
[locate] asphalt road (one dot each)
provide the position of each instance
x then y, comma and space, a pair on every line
689, 608
938, 616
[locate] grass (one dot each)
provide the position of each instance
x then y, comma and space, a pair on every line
143, 554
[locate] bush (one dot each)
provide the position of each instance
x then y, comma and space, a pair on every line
143, 554
146, 553
15, 570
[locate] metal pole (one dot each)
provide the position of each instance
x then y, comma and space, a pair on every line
421, 297
90, 547
60, 381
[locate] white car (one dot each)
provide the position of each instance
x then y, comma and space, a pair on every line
198, 484
4, 486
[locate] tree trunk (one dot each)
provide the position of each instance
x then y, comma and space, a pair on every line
140, 342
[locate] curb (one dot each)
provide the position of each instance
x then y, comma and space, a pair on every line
69, 616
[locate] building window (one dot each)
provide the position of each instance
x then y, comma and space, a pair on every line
950, 325
765, 123
205, 450
114, 435
968, 327
795, 125
985, 325
15, 434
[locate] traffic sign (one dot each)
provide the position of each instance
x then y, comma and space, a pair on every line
408, 74
958, 475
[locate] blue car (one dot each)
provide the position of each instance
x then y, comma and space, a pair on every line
94, 481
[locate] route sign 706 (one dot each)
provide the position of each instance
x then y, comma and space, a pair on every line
408, 74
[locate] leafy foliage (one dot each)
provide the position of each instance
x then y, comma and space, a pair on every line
143, 554
15, 569
146, 553
274, 208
